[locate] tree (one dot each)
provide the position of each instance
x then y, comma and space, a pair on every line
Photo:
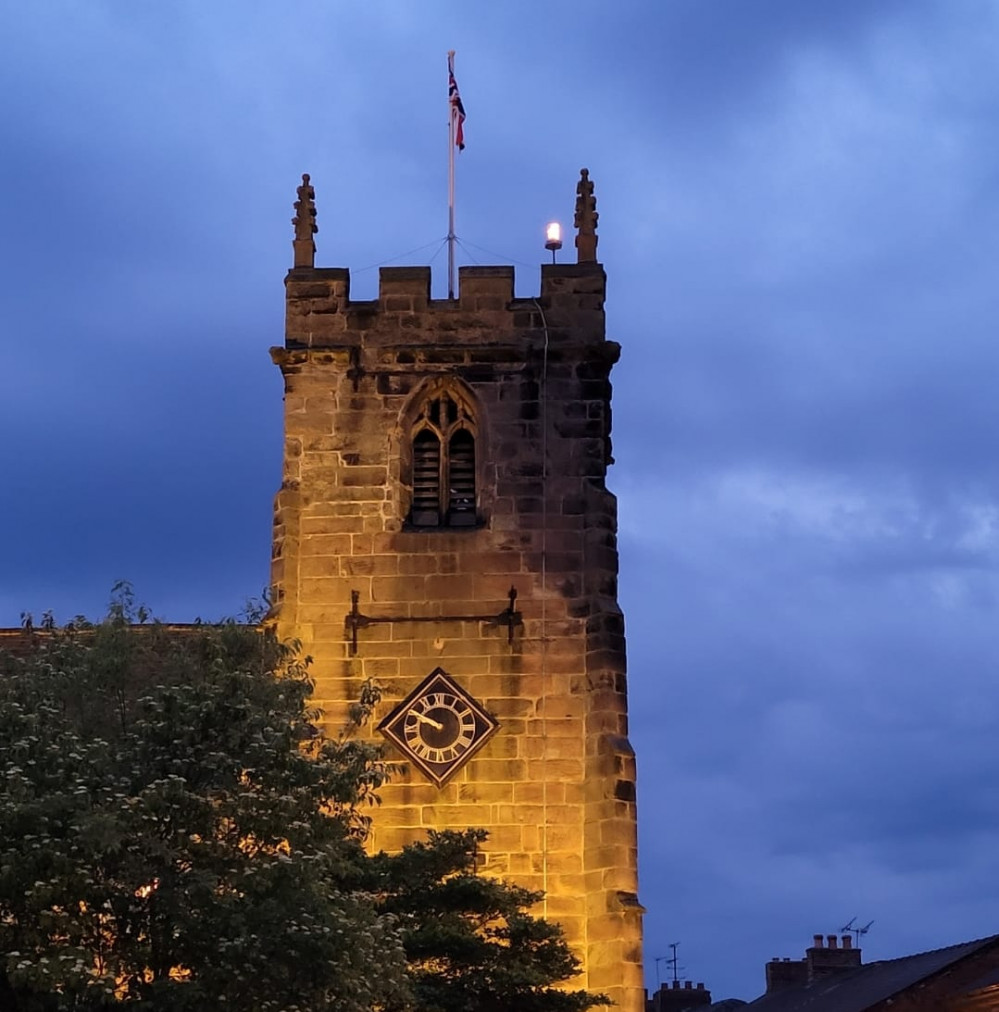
470, 942
174, 830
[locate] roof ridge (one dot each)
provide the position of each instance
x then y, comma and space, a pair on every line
974, 942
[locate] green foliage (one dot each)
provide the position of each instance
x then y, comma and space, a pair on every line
470, 943
174, 830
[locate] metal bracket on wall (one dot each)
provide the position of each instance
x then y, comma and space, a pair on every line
356, 619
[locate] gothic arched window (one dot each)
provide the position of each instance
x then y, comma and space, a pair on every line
443, 464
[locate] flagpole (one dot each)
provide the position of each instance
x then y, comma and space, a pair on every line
450, 185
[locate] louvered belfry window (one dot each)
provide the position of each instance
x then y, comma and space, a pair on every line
426, 478
443, 466
461, 479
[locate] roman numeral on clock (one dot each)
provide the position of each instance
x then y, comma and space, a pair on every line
438, 726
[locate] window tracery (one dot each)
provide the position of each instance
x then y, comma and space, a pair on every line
443, 463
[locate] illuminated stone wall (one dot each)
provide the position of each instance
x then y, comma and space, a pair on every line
555, 785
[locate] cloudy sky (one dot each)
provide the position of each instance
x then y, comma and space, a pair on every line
800, 223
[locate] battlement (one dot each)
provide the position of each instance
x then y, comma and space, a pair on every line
321, 313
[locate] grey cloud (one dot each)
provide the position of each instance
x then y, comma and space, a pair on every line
798, 218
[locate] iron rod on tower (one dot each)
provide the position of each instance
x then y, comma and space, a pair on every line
450, 201
455, 138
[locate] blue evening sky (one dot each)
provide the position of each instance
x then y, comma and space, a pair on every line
799, 217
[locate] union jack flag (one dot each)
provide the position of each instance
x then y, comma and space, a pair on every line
457, 109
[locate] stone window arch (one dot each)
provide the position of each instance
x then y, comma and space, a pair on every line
443, 464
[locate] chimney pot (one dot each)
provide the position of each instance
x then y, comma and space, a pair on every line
700, 985
832, 942
847, 942
688, 985
676, 985
818, 941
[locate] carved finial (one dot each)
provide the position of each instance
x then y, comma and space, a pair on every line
305, 224
586, 220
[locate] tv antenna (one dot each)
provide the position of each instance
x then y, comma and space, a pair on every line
672, 961
659, 980
857, 932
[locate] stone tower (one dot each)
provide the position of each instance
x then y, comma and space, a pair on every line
444, 528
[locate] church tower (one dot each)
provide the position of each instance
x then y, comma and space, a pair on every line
443, 528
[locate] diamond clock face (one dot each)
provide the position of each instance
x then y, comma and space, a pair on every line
438, 726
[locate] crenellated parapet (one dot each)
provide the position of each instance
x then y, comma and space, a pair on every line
320, 312
568, 308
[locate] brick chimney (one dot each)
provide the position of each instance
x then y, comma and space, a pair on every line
678, 996
785, 972
826, 956
824, 961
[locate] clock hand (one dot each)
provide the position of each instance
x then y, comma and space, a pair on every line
424, 719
